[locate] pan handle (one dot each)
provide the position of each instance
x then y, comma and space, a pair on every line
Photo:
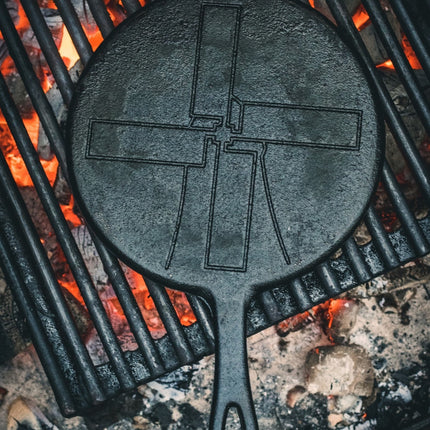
232, 387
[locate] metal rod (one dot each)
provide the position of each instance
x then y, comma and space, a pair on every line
101, 16
301, 296
204, 317
397, 127
412, 34
171, 321
398, 57
270, 307
381, 240
412, 229
356, 259
131, 308
131, 6
32, 84
74, 27
51, 286
41, 343
66, 240
328, 278
49, 49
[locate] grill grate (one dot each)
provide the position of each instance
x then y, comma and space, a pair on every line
79, 384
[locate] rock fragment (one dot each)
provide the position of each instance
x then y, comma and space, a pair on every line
339, 370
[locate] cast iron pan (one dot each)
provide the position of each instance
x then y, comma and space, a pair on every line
222, 148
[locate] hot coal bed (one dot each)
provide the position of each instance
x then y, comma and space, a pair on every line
359, 360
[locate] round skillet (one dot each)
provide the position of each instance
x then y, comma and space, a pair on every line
222, 148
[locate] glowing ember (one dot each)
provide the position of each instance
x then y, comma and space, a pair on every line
361, 18
410, 55
67, 50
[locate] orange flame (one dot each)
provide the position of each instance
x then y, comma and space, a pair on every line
19, 171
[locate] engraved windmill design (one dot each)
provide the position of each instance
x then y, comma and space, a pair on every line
239, 130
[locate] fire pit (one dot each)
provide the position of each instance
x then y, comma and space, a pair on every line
117, 318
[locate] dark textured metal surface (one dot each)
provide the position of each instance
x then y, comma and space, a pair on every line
222, 163
221, 158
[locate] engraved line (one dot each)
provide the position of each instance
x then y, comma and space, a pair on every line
359, 129
271, 207
178, 218
233, 67
212, 202
197, 61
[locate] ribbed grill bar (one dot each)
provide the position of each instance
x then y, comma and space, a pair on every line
417, 42
74, 27
397, 56
49, 49
42, 343
35, 247
101, 16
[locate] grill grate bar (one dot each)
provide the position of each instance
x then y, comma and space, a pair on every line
42, 344
51, 285
101, 16
328, 279
131, 308
412, 229
75, 259
412, 34
171, 322
300, 294
270, 307
32, 84
397, 127
204, 318
381, 239
358, 264
401, 63
74, 27
49, 49
131, 6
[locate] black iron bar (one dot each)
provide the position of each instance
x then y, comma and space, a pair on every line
52, 288
74, 27
358, 264
328, 279
412, 34
300, 294
101, 16
131, 309
65, 238
41, 343
204, 318
412, 229
270, 307
381, 240
398, 57
131, 6
171, 322
32, 84
49, 49
397, 127
68, 244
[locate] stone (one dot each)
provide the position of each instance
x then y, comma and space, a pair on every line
24, 414
339, 370
294, 395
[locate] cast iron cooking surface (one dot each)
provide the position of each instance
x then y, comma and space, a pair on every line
223, 147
